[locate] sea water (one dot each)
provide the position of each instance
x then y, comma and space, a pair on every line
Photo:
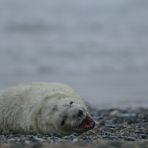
100, 48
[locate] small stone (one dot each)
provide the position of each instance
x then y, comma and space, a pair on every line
75, 140
115, 113
38, 139
27, 142
11, 140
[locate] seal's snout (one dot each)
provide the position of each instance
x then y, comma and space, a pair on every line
80, 113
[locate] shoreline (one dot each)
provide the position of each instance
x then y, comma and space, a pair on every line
113, 127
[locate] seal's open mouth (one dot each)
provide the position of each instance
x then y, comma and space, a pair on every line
87, 123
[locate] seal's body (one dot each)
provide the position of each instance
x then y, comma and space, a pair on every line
43, 108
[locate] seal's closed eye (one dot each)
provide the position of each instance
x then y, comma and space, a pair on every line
71, 102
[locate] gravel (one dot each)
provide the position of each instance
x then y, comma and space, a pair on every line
115, 127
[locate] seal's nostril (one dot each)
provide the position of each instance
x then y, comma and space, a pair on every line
80, 113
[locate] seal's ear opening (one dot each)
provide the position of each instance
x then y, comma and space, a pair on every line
63, 121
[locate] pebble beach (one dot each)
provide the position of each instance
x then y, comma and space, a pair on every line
114, 128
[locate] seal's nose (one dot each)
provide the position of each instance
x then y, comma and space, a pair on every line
80, 113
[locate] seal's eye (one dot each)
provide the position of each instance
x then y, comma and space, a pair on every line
71, 102
63, 122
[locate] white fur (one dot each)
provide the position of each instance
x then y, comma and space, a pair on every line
39, 107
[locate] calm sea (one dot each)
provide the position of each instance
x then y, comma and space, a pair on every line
100, 48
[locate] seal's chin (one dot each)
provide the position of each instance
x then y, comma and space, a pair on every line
86, 124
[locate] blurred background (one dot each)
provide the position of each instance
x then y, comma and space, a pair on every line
97, 47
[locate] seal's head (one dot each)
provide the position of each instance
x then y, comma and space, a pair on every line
74, 117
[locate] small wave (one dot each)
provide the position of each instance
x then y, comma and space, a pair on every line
31, 27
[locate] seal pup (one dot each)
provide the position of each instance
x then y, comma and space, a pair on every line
43, 108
